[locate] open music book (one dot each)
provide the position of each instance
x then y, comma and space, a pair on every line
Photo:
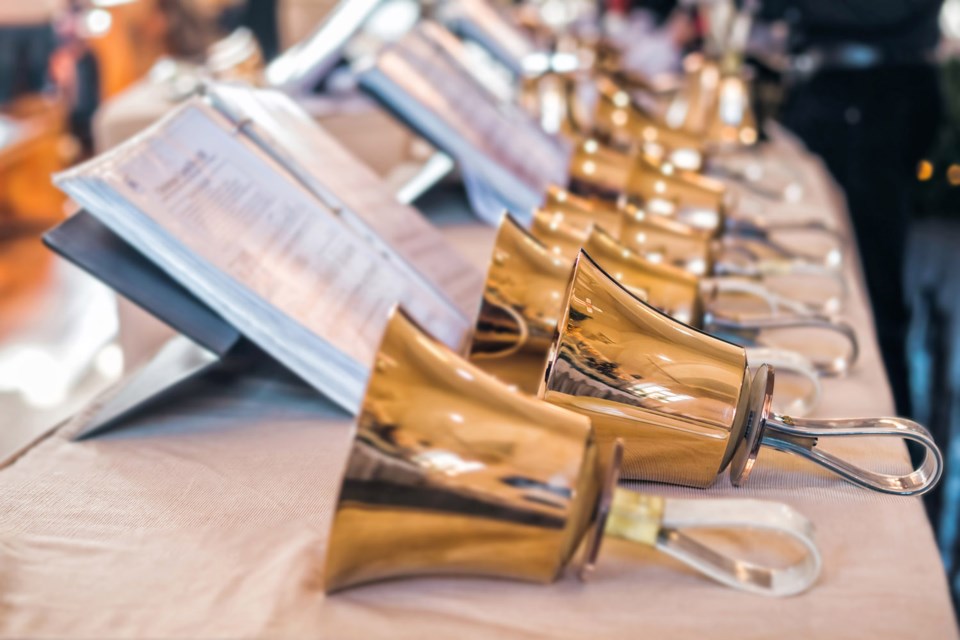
507, 160
248, 205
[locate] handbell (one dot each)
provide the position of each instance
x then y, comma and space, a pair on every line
597, 169
523, 300
451, 472
566, 219
683, 401
696, 200
579, 212
693, 300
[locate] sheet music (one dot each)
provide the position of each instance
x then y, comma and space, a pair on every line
226, 221
399, 232
420, 80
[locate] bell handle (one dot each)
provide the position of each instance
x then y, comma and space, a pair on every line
784, 360
742, 179
755, 227
664, 523
775, 302
800, 436
766, 268
834, 367
754, 267
761, 232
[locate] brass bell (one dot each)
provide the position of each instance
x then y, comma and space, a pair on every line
596, 169
577, 213
698, 201
691, 106
682, 401
451, 472
694, 300
732, 122
523, 300
667, 241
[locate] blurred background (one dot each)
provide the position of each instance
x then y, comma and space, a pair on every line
872, 86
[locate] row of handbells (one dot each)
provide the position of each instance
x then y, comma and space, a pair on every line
590, 363
605, 350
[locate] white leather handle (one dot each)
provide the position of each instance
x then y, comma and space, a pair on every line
662, 523
750, 516
833, 304
774, 301
784, 360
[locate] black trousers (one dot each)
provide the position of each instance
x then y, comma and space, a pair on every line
872, 127
25, 51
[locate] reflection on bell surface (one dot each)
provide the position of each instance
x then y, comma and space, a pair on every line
682, 401
452, 473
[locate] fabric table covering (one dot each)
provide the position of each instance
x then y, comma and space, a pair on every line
209, 518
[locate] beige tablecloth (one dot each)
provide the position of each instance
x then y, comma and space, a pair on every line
209, 519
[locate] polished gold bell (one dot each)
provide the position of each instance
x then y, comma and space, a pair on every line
683, 402
661, 239
569, 218
692, 199
451, 472
598, 170
526, 285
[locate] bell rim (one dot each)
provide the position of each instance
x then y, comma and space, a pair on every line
759, 407
594, 538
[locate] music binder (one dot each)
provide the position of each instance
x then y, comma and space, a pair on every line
172, 236
90, 245
507, 160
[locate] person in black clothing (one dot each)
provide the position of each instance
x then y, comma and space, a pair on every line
868, 102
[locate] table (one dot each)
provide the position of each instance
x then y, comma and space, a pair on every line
209, 517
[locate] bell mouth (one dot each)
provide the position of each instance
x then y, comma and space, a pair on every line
759, 401
611, 476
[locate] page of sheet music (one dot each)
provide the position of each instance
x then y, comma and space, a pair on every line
426, 86
344, 183
254, 244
